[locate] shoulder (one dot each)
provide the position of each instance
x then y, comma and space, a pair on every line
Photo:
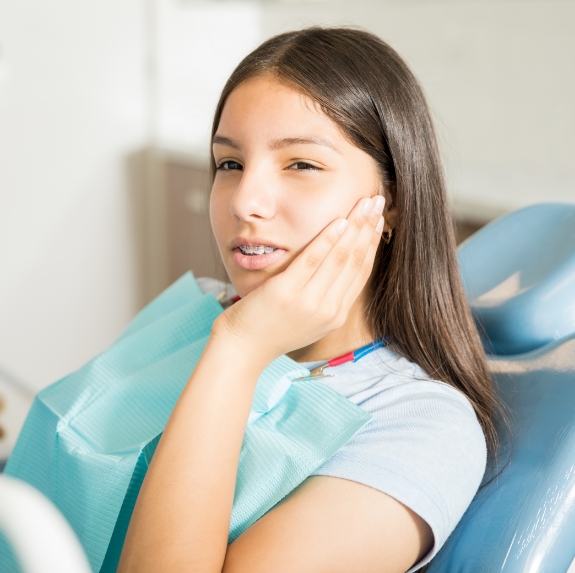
404, 399
412, 410
428, 430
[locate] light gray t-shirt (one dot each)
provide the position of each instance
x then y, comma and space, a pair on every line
423, 446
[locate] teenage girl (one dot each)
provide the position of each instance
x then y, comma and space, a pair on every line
330, 213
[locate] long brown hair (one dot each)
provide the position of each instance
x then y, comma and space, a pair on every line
415, 291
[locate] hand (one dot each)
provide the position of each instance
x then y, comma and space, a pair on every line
314, 294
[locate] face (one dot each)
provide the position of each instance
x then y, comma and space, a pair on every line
285, 171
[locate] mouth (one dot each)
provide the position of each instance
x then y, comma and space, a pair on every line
255, 255
256, 250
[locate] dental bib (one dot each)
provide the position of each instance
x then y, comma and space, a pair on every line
89, 438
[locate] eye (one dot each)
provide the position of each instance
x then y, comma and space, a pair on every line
302, 165
229, 166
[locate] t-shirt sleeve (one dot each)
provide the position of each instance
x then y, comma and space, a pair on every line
423, 446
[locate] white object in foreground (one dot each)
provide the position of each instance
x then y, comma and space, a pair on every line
41, 538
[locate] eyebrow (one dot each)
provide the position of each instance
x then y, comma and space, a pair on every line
281, 143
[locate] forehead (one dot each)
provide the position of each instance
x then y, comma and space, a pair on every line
265, 107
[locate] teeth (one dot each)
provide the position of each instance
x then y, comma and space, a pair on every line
256, 249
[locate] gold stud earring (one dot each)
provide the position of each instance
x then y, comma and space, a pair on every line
387, 236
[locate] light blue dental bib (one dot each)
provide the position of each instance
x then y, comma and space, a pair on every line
89, 438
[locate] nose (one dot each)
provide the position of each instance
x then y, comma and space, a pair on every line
253, 198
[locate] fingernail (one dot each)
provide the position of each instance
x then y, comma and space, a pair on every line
379, 226
378, 204
341, 226
366, 207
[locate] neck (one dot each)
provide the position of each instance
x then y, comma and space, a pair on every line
352, 335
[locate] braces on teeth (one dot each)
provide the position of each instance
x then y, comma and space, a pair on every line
256, 249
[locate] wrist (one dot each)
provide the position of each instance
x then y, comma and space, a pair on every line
239, 349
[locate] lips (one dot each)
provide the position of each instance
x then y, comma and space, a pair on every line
255, 262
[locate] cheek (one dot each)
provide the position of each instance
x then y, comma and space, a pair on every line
330, 197
306, 219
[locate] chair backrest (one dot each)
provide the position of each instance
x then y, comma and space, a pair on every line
519, 277
40, 539
524, 520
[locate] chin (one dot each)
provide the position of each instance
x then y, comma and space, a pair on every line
248, 282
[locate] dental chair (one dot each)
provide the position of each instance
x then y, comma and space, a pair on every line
519, 277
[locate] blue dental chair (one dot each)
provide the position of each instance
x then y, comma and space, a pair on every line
519, 277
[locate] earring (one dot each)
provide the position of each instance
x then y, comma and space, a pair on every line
387, 236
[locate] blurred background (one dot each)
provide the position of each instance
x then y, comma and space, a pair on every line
105, 112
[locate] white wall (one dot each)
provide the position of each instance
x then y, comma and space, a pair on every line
500, 76
72, 106
198, 45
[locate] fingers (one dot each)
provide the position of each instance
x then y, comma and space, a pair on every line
362, 277
347, 286
303, 267
346, 258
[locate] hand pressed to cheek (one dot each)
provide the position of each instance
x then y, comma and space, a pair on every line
333, 261
359, 254
312, 297
370, 236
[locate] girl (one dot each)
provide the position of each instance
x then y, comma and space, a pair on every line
330, 213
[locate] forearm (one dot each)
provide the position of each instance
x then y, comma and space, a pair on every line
182, 515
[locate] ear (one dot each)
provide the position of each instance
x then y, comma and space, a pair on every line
389, 210
389, 215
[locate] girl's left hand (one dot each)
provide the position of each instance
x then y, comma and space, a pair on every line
314, 294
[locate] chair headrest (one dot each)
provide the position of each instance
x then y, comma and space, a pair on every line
518, 273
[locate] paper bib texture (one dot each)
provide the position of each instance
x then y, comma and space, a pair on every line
89, 438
